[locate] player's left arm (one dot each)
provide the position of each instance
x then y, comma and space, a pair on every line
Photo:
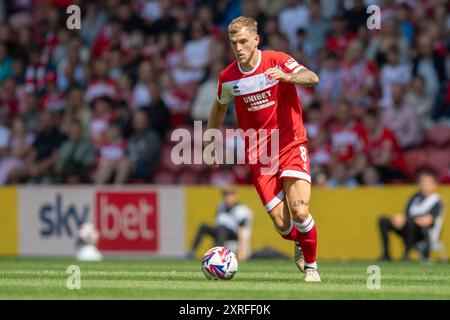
303, 77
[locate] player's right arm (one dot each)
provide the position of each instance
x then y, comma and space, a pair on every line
215, 121
217, 115
218, 110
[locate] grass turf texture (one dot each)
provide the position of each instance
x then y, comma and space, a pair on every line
180, 279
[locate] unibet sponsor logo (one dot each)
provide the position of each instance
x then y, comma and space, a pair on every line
259, 100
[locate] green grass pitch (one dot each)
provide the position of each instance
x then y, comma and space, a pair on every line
180, 279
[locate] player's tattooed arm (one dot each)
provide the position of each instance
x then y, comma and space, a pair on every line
304, 77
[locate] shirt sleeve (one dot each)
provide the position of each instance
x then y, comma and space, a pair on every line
436, 209
287, 63
244, 216
223, 94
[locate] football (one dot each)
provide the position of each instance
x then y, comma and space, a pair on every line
219, 263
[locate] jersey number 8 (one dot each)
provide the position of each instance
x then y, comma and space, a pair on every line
303, 153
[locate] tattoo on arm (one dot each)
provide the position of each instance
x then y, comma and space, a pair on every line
299, 203
305, 78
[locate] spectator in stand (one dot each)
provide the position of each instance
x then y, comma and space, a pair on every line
93, 21
195, 58
270, 27
402, 120
346, 141
175, 52
23, 46
75, 157
405, 22
206, 94
158, 113
313, 119
370, 177
251, 8
165, 22
317, 28
142, 152
140, 96
294, 17
176, 100
129, 19
307, 49
420, 100
9, 103
380, 44
111, 36
5, 135
20, 142
431, 66
101, 85
357, 16
382, 148
358, 75
31, 113
330, 75
393, 72
77, 110
6, 69
103, 116
320, 152
35, 71
71, 70
340, 177
340, 37
43, 154
111, 154
53, 100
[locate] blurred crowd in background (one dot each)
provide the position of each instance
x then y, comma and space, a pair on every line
98, 105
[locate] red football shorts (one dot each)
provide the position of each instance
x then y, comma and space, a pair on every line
293, 163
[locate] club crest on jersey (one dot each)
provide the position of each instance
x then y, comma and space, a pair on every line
269, 79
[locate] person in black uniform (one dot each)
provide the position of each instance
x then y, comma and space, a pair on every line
414, 225
233, 220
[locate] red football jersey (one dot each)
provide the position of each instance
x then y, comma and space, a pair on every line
346, 141
384, 142
261, 102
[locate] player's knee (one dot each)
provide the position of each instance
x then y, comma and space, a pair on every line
301, 214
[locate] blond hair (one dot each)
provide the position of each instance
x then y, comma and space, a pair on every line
243, 22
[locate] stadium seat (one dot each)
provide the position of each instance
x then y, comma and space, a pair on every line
187, 176
166, 159
415, 159
439, 136
437, 159
164, 177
